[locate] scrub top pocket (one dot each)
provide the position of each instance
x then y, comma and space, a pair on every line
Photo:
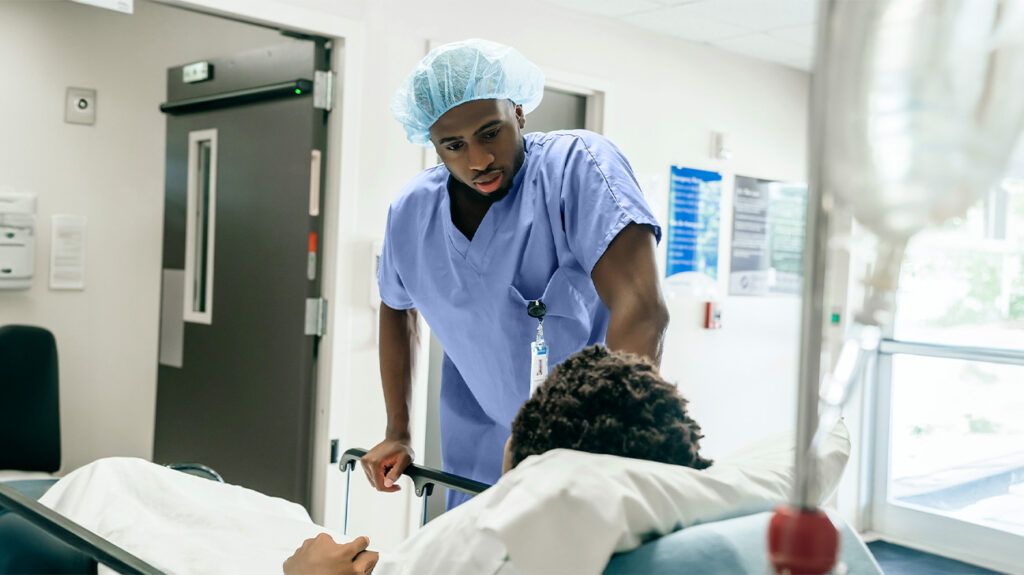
566, 323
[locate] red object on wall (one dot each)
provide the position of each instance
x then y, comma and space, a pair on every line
802, 541
712, 315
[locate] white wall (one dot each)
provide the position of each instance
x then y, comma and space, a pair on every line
113, 173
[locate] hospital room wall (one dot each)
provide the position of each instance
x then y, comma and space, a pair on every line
112, 173
664, 97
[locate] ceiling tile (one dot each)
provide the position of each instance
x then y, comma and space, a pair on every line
799, 35
755, 15
775, 30
762, 46
676, 21
805, 64
611, 8
678, 2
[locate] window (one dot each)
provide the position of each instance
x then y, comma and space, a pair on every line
949, 464
200, 225
978, 262
957, 439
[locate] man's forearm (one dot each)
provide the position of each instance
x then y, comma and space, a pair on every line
626, 278
639, 327
398, 342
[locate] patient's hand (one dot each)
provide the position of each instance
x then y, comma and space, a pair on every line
322, 556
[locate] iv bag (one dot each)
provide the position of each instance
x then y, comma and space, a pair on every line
924, 101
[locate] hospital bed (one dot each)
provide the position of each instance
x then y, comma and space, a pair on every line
41, 540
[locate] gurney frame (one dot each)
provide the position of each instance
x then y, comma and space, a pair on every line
423, 480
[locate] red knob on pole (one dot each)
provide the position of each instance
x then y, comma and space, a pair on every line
802, 541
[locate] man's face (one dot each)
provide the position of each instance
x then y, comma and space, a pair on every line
481, 144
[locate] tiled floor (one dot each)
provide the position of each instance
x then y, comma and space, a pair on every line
897, 560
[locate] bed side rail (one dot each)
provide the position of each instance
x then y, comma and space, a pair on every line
423, 478
74, 534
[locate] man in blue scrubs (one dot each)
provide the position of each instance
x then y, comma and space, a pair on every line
507, 220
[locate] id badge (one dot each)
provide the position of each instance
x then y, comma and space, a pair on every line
538, 365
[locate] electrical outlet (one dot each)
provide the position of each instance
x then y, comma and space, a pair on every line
80, 107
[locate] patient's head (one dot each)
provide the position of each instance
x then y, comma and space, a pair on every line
611, 402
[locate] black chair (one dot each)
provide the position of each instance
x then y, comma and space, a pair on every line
29, 400
30, 441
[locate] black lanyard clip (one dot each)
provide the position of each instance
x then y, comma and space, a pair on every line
536, 309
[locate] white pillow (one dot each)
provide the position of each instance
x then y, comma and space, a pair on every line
599, 504
567, 512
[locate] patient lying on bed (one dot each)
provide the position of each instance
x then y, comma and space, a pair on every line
597, 401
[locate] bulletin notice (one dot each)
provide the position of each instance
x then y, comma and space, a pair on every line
767, 237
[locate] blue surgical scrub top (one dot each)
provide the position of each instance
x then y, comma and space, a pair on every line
573, 194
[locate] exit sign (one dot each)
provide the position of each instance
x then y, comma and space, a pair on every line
196, 72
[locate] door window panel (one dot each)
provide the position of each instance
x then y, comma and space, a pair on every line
200, 225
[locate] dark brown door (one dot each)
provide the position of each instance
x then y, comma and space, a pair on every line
235, 386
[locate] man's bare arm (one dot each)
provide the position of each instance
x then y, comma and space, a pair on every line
399, 338
626, 278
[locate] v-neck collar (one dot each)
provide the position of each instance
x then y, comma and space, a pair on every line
475, 250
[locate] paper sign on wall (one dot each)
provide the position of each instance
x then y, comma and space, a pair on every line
767, 237
67, 252
693, 218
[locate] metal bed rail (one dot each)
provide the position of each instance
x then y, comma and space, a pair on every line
423, 480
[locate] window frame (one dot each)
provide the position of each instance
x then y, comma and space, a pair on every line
920, 527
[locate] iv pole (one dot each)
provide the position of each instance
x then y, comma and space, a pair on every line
801, 538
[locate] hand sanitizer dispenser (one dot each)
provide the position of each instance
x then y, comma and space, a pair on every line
17, 239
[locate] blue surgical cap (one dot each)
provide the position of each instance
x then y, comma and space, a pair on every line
459, 72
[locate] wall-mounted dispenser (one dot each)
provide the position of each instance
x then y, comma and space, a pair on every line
17, 239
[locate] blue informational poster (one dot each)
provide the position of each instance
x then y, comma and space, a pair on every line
693, 221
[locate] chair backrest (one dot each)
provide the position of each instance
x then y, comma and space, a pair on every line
29, 399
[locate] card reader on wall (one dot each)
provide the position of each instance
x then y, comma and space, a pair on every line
17, 239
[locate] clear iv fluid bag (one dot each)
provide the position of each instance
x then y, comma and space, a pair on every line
924, 104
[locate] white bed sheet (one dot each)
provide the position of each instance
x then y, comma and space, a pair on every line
180, 523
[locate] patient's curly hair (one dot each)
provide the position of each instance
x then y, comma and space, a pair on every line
610, 402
